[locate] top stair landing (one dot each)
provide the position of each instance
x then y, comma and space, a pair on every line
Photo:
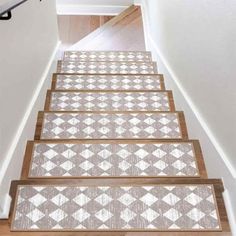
139, 56
123, 32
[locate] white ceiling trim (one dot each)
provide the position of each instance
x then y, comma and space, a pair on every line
77, 9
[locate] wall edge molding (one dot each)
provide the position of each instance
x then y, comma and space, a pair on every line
230, 213
201, 120
5, 200
197, 114
77, 9
4, 210
203, 124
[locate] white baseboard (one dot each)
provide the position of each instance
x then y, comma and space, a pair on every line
217, 162
208, 142
230, 212
149, 41
11, 165
195, 111
6, 204
76, 9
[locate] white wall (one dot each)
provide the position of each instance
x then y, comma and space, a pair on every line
194, 43
91, 7
27, 44
97, 2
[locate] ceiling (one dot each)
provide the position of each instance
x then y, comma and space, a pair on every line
92, 7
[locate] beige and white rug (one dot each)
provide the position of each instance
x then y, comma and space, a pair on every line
155, 207
110, 101
107, 56
59, 125
113, 160
108, 82
107, 67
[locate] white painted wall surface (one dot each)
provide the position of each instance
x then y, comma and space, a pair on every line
3, 1
91, 7
194, 43
27, 44
97, 2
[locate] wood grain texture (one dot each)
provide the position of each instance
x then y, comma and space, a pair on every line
5, 231
72, 28
120, 31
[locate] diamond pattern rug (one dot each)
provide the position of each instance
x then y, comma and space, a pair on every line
109, 101
108, 82
108, 67
120, 101
110, 125
107, 56
113, 160
154, 207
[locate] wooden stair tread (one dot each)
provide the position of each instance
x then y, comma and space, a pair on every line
114, 67
111, 125
77, 159
109, 100
107, 82
107, 56
155, 206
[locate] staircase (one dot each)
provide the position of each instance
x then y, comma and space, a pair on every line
111, 153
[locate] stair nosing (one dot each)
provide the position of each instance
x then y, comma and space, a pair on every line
48, 100
181, 119
216, 185
153, 63
28, 157
55, 78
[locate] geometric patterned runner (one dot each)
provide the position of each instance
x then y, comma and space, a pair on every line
107, 67
113, 160
110, 101
107, 208
82, 125
108, 82
107, 56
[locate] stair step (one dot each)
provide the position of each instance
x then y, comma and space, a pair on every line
111, 125
107, 56
109, 101
76, 159
75, 206
107, 82
107, 67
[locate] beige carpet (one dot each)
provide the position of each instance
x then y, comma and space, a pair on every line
164, 207
113, 160
107, 67
107, 56
108, 82
110, 101
111, 125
